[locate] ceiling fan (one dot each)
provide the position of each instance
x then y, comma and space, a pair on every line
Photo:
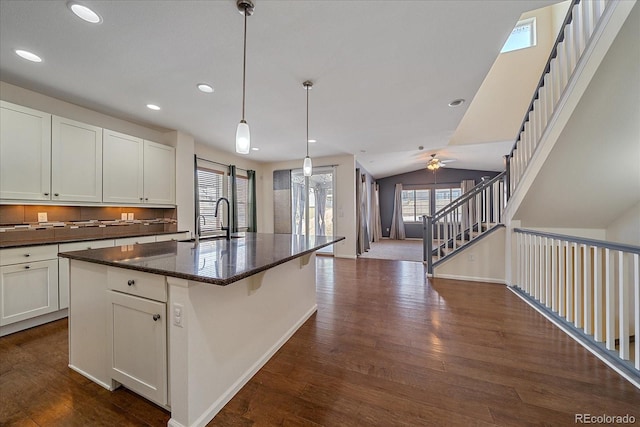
434, 163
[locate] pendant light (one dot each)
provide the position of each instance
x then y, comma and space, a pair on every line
307, 167
243, 136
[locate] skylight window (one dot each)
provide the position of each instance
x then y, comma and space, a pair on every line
522, 36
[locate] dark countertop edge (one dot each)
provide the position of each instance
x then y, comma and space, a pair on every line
193, 277
88, 239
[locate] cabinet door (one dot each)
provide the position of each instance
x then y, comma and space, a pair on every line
159, 173
122, 178
25, 153
139, 345
28, 290
76, 161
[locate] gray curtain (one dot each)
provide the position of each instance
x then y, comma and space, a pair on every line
361, 212
321, 202
397, 224
376, 225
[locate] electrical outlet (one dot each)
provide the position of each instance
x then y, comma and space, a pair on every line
130, 216
42, 217
178, 315
123, 216
472, 257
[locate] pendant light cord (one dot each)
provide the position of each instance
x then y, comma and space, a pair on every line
307, 88
244, 60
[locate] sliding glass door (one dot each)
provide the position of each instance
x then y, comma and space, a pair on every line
312, 199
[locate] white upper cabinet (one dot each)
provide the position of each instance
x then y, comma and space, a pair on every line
25, 153
137, 171
76, 161
159, 173
122, 168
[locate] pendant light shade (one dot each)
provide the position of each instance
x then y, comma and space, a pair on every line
307, 166
243, 138
243, 135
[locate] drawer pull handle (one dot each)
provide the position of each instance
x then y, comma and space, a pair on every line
27, 255
56, 194
156, 317
27, 267
131, 282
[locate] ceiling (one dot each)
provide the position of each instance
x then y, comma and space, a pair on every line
383, 71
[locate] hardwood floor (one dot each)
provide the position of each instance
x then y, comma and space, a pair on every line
386, 348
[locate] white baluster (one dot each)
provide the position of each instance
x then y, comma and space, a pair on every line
577, 25
623, 308
570, 46
562, 283
610, 321
588, 289
598, 300
555, 81
588, 19
569, 281
577, 282
554, 276
636, 305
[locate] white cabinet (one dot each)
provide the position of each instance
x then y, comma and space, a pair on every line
159, 173
173, 236
137, 332
76, 161
122, 168
28, 289
63, 266
137, 171
135, 240
25, 153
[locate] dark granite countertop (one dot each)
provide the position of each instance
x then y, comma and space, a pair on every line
219, 261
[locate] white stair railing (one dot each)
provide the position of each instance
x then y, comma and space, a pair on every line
579, 25
592, 285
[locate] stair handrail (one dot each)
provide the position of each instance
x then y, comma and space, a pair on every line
554, 51
466, 196
582, 241
536, 93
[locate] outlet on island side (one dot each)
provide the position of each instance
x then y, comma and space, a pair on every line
178, 315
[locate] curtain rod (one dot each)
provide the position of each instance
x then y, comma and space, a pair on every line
218, 163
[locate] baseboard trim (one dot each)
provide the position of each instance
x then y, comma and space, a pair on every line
213, 410
22, 325
469, 278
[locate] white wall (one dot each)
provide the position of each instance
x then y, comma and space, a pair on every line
482, 261
37, 101
345, 216
626, 228
499, 106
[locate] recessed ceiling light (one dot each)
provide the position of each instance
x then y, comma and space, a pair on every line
255, 149
84, 13
312, 141
29, 56
205, 88
153, 107
456, 102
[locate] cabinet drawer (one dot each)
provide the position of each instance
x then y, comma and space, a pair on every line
135, 240
28, 254
90, 244
132, 282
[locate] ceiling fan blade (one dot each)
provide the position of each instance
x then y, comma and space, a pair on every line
447, 161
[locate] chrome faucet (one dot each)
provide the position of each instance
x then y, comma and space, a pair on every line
198, 228
215, 214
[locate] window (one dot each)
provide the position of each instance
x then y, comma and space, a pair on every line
415, 204
210, 189
444, 196
522, 36
242, 185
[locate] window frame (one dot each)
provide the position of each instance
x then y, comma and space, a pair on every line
416, 217
532, 42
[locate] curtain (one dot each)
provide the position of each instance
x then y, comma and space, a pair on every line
468, 209
361, 211
397, 224
234, 200
321, 201
252, 214
376, 225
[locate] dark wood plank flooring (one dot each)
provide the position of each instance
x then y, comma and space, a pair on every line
386, 348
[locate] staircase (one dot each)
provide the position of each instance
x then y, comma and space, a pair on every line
464, 221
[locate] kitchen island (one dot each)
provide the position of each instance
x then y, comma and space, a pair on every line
187, 325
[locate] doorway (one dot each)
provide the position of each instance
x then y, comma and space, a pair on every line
312, 202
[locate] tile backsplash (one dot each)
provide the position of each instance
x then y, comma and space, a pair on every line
26, 214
